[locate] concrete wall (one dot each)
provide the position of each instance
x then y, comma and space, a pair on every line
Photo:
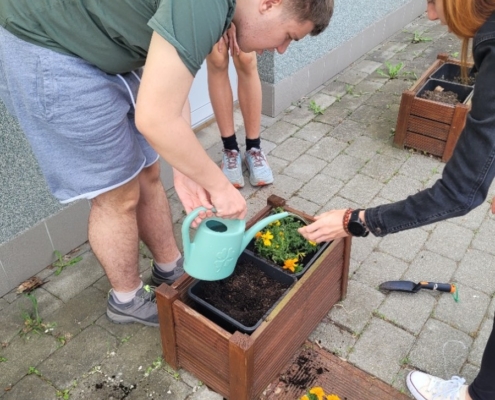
33, 224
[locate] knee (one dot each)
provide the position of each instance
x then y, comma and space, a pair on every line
246, 63
218, 62
121, 200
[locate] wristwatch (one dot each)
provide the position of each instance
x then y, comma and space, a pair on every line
355, 226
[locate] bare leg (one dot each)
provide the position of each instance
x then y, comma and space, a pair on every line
113, 235
249, 92
153, 217
220, 90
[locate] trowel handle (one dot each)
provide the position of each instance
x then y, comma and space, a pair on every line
441, 287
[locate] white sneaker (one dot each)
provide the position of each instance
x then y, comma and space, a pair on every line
428, 387
232, 167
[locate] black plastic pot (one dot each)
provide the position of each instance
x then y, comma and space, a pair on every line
448, 72
462, 91
222, 319
306, 261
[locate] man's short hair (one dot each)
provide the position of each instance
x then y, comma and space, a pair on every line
318, 12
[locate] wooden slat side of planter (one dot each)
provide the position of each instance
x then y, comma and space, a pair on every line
426, 127
297, 315
424, 143
432, 110
202, 347
458, 122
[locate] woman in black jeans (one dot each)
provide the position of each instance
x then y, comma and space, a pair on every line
464, 184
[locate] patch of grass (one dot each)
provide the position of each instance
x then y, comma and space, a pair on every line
33, 321
419, 38
317, 110
3, 359
33, 370
64, 261
393, 71
349, 89
63, 394
155, 365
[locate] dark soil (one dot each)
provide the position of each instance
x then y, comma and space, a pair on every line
469, 81
246, 295
304, 371
446, 96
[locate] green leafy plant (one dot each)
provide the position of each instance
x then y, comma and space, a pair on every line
317, 110
33, 321
349, 89
3, 359
419, 38
63, 394
455, 54
392, 70
33, 370
281, 243
64, 261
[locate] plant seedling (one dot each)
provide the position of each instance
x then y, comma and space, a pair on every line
317, 110
33, 370
33, 321
64, 261
3, 359
392, 70
419, 38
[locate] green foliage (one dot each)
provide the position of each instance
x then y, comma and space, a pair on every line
317, 110
64, 261
455, 54
63, 394
392, 70
3, 359
33, 321
349, 89
281, 243
33, 370
419, 38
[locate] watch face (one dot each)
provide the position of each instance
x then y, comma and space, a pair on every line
356, 228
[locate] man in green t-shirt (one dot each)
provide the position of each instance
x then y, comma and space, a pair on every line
70, 72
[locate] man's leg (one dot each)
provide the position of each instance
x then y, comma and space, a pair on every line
223, 107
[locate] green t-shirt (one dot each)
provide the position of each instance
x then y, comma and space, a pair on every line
115, 35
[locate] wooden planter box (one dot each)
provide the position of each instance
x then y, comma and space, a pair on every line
426, 125
237, 365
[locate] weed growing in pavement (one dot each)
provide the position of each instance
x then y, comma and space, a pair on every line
33, 370
392, 70
64, 261
63, 394
317, 110
33, 321
3, 359
419, 38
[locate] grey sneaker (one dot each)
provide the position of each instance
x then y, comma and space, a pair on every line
141, 308
260, 173
158, 277
232, 167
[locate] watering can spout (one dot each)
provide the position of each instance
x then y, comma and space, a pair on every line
249, 234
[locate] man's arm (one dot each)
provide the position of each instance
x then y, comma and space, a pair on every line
162, 95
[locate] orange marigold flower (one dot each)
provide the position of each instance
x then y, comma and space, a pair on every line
318, 392
333, 397
304, 397
291, 265
258, 235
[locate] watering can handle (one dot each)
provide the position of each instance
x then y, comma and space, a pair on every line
186, 239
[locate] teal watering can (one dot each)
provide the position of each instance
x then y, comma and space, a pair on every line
217, 245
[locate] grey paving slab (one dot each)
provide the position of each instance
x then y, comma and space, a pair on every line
333, 338
343, 167
379, 267
361, 189
299, 116
327, 149
335, 88
480, 341
420, 167
477, 270
302, 204
381, 168
279, 132
432, 267
475, 218
31, 387
404, 245
320, 189
364, 148
450, 240
399, 187
313, 132
481, 240
291, 149
384, 342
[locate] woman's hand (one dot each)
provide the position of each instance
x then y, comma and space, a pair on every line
328, 226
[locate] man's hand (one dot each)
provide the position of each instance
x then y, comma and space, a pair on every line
328, 226
229, 38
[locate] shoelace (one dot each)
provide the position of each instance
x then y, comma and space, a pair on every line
148, 293
446, 389
258, 157
231, 158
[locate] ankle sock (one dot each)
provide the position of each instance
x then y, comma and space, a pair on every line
125, 297
168, 267
250, 143
230, 143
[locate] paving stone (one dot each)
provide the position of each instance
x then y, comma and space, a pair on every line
474, 218
482, 239
267, 121
332, 338
79, 312
432, 267
357, 309
313, 132
84, 352
363, 148
74, 279
477, 270
450, 240
302, 204
480, 342
408, 311
304, 168
465, 315
31, 387
333, 115
352, 76
21, 354
379, 267
381, 129
343, 167
322, 100
384, 342
335, 89
352, 102
381, 168
361, 189
469, 372
291, 149
399, 187
279, 132
383, 100
365, 113
300, 115
367, 66
284, 186
440, 349
404, 245
395, 87
276, 164
327, 149
320, 189
3, 303
363, 247
205, 394
420, 167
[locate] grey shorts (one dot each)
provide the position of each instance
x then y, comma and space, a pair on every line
78, 119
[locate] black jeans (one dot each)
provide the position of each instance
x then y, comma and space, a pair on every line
483, 387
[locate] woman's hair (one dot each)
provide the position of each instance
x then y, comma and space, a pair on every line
318, 12
464, 18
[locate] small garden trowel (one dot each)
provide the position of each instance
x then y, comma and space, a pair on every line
411, 287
